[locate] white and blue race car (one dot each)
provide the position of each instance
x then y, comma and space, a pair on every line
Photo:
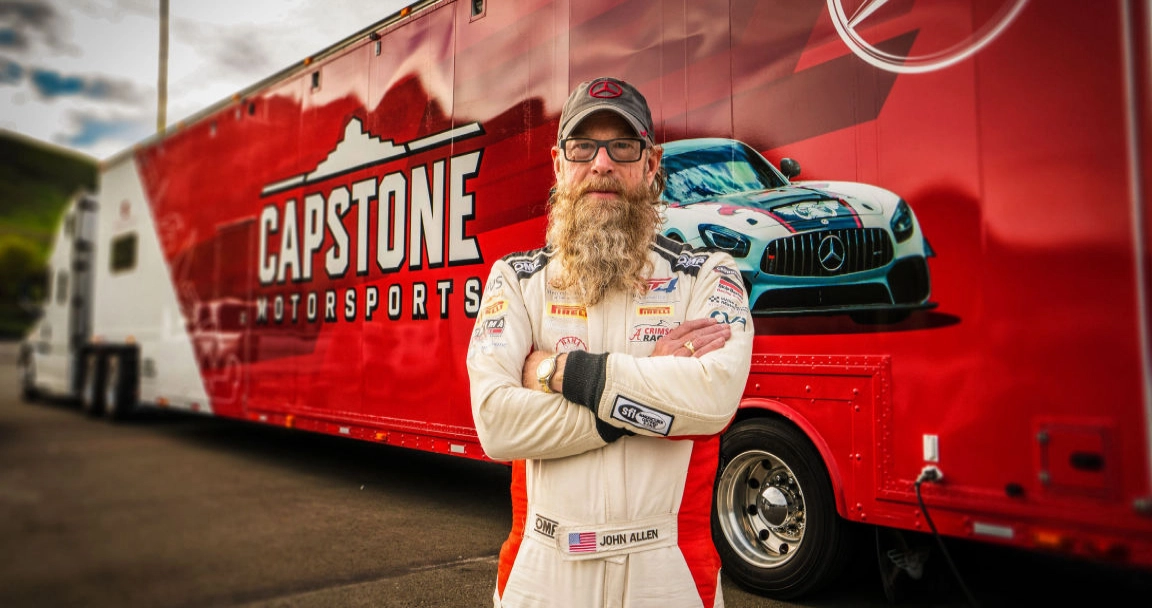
803, 247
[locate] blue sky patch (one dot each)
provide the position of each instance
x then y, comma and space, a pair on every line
54, 84
94, 130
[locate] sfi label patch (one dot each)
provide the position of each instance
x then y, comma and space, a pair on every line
642, 416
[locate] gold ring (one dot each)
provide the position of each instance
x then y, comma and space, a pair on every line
690, 348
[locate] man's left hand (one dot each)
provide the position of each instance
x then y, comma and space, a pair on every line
693, 338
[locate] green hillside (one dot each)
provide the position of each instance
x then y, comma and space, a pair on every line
36, 182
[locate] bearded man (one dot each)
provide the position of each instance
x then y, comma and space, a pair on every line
604, 366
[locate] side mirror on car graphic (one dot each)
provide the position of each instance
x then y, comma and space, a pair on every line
789, 168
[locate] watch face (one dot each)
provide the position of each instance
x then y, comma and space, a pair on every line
545, 368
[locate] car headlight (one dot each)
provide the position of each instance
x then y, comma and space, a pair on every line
725, 239
902, 222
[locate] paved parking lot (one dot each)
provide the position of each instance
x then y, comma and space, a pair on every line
181, 510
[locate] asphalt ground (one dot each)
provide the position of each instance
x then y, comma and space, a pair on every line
180, 510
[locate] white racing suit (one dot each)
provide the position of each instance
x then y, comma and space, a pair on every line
612, 480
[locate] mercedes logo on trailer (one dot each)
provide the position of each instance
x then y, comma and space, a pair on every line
831, 253
851, 20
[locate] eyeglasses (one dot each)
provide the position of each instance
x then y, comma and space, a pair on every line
621, 149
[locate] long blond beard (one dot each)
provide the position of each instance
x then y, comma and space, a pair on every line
603, 245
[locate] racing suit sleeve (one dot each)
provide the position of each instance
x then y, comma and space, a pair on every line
674, 396
514, 422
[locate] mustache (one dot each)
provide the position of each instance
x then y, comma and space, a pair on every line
601, 183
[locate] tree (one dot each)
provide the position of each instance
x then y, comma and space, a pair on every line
22, 272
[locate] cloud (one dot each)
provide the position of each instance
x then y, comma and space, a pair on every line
25, 20
113, 10
11, 38
10, 71
234, 50
242, 52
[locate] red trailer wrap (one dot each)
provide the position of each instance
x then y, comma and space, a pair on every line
311, 253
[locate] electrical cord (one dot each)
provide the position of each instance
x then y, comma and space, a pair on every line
933, 475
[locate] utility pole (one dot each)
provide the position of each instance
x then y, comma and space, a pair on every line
162, 79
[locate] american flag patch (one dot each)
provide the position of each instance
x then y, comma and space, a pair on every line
581, 542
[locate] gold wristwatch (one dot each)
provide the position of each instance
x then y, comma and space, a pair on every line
544, 372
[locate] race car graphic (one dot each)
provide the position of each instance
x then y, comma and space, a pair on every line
802, 247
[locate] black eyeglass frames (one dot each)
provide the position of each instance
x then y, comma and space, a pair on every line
620, 149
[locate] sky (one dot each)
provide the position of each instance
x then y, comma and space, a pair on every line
82, 74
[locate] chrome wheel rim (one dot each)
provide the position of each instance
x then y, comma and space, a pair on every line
760, 507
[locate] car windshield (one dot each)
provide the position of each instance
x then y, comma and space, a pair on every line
707, 172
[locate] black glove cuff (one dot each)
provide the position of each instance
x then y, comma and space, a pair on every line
584, 377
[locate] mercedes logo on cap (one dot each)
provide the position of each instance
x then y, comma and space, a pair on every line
831, 253
605, 89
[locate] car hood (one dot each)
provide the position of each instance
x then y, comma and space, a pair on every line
797, 207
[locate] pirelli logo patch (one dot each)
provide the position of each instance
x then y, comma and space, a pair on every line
654, 311
567, 310
642, 416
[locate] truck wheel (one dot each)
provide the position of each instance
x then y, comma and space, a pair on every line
774, 518
28, 390
92, 391
119, 395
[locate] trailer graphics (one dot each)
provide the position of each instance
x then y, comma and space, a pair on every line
802, 247
420, 220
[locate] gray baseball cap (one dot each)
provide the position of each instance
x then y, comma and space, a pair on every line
610, 94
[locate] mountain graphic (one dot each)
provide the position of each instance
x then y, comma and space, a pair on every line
358, 149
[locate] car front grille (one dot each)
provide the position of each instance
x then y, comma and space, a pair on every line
828, 253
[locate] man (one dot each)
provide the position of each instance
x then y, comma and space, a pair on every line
599, 366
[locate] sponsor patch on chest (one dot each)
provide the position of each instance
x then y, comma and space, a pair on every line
642, 416
567, 311
650, 332
689, 263
661, 291
568, 344
654, 310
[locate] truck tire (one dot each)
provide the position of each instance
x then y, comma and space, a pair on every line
119, 386
28, 390
92, 389
774, 517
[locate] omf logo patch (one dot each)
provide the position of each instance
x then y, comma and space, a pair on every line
545, 526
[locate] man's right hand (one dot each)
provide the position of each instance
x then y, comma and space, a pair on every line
693, 339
